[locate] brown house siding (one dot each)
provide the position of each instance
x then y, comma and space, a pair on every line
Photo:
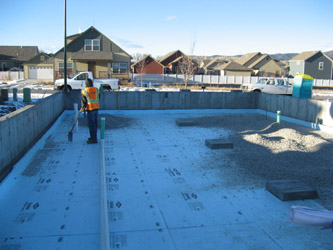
171, 58
152, 68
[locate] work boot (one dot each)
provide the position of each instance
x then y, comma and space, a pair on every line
91, 141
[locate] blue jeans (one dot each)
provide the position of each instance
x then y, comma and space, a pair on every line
92, 123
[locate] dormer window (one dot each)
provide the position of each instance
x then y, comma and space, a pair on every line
92, 45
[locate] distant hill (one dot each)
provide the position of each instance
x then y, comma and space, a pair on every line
283, 57
279, 56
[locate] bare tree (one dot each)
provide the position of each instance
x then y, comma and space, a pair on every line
188, 68
141, 64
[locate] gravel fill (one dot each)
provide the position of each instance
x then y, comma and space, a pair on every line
264, 150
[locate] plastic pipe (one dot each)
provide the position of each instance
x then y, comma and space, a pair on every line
75, 116
102, 127
15, 94
278, 116
104, 218
26, 95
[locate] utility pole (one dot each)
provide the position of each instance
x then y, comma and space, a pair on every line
65, 54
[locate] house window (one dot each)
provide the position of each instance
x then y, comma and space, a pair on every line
69, 66
321, 65
92, 45
42, 58
119, 68
298, 63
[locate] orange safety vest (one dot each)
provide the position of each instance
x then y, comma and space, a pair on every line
92, 98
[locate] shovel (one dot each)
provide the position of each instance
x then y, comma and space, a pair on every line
70, 134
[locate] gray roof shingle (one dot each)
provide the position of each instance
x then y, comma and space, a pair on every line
18, 53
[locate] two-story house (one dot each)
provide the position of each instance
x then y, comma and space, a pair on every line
313, 63
262, 65
93, 51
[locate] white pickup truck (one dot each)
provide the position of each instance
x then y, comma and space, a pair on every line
78, 82
269, 85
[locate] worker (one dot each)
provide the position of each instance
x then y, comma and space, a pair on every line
90, 103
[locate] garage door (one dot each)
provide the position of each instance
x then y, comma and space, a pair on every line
41, 73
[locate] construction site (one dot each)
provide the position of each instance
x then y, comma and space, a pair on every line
171, 170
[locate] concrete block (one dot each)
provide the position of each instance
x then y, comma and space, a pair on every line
185, 123
218, 144
289, 190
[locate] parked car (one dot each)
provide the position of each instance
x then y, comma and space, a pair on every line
269, 85
78, 82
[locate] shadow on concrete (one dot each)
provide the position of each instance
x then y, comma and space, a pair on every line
111, 121
265, 150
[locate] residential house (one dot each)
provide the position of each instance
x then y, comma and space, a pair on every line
234, 69
247, 59
93, 51
171, 62
212, 67
15, 56
313, 63
202, 64
262, 65
39, 67
148, 65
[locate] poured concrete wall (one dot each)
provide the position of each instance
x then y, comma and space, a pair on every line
142, 100
314, 111
19, 130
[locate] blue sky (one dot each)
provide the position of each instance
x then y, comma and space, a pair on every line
217, 27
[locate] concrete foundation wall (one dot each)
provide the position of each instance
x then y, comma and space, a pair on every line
142, 100
315, 111
176, 100
19, 130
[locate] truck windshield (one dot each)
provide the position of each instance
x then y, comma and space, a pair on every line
262, 81
72, 77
